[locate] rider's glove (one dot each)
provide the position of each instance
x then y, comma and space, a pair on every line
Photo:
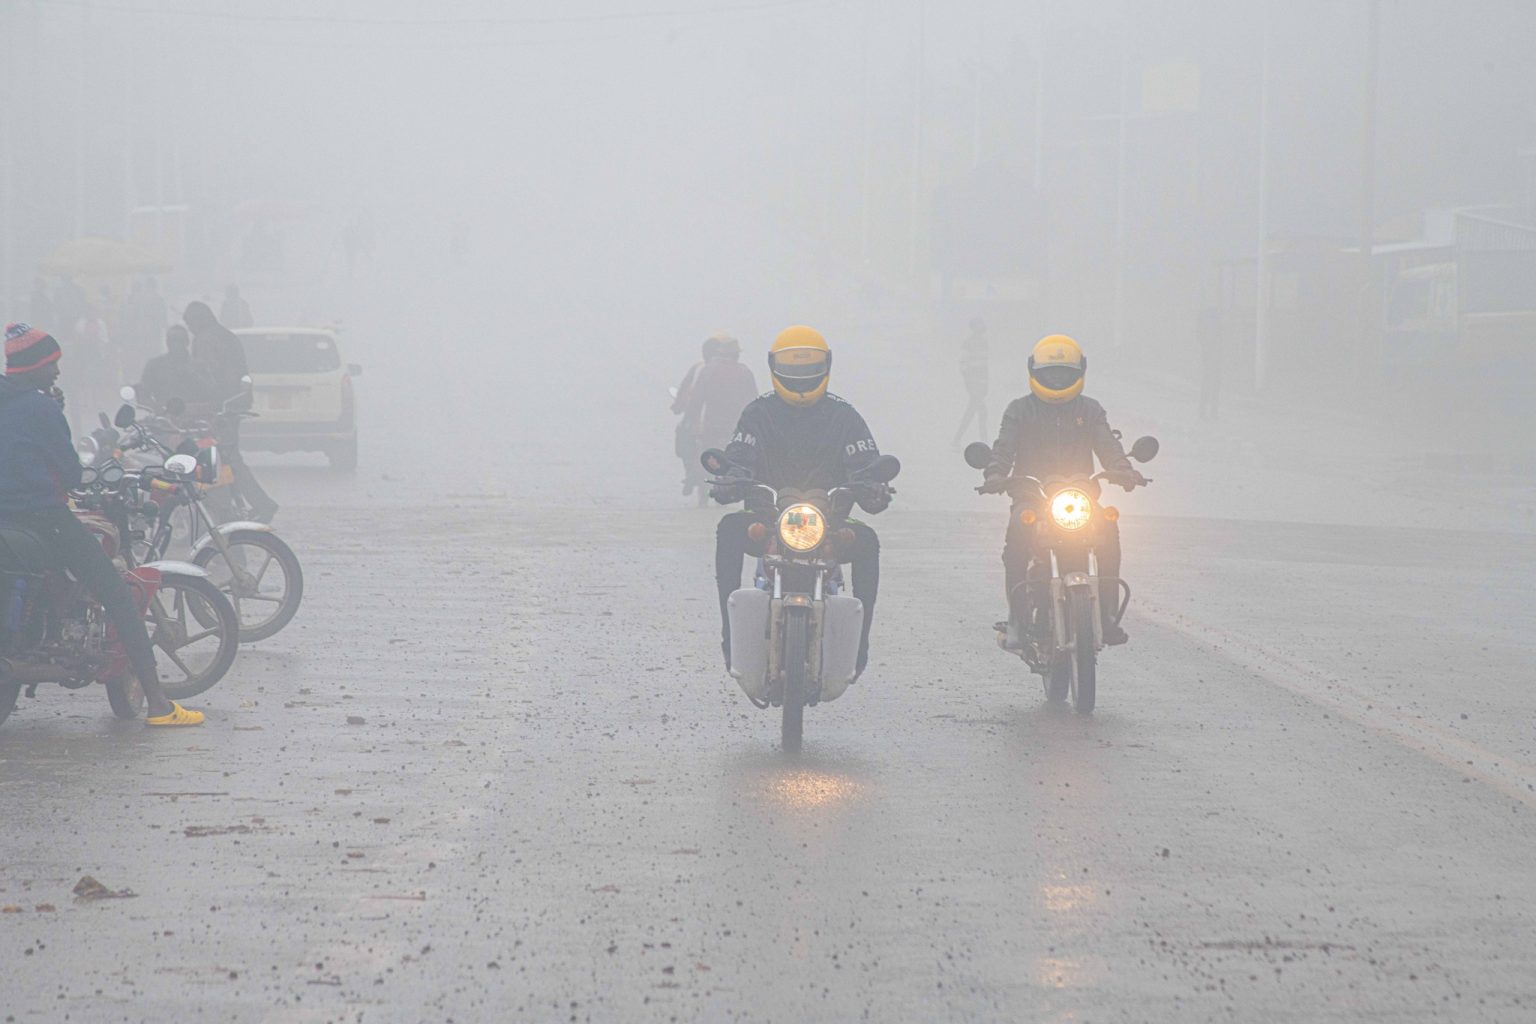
1130, 479
997, 483
876, 498
730, 493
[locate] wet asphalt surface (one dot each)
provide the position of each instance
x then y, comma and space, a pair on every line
494, 772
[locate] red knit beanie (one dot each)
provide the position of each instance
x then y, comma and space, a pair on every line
28, 348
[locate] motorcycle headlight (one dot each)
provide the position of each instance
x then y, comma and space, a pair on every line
1071, 509
802, 527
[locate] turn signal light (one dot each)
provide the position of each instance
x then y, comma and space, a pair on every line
1028, 517
1110, 512
757, 533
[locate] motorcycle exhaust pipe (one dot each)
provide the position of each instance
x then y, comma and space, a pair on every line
33, 672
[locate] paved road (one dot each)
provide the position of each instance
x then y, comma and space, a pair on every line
498, 775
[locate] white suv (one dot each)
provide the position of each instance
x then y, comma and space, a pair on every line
303, 394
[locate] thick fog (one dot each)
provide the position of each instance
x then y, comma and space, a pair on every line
553, 205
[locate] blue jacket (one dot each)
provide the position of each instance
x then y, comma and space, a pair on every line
38, 464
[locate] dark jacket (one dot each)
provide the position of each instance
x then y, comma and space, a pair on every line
38, 464
723, 388
1043, 439
813, 447
176, 376
221, 350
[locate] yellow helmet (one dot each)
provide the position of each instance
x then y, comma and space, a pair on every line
1056, 369
801, 364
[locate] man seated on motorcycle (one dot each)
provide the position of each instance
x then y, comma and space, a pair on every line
799, 436
175, 374
1056, 430
38, 468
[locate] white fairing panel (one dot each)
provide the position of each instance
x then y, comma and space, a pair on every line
748, 611
842, 625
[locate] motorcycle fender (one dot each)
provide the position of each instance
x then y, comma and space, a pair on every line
748, 611
842, 623
1059, 614
225, 529
1079, 580
179, 568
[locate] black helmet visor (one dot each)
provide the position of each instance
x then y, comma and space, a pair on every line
1057, 378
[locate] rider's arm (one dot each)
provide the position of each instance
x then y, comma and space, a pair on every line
1005, 450
1107, 446
50, 434
859, 448
744, 448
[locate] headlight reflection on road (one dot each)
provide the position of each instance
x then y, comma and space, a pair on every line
1060, 972
804, 789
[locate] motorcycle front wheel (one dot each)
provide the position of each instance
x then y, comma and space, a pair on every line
260, 576
1084, 658
797, 647
192, 626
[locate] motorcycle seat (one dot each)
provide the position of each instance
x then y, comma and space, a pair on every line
21, 550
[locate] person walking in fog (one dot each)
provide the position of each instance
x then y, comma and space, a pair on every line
975, 364
38, 469
220, 351
684, 438
234, 311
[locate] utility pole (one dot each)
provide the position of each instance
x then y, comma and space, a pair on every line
1368, 306
1261, 313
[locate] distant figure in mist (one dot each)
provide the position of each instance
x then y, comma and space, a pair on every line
685, 437
975, 364
1210, 334
234, 311
722, 388
175, 374
221, 352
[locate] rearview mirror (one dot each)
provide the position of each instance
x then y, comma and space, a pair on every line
127, 394
883, 470
1145, 449
713, 460
978, 455
125, 415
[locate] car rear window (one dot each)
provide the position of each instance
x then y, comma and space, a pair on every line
290, 353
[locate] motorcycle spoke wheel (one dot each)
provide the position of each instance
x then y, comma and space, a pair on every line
261, 577
192, 655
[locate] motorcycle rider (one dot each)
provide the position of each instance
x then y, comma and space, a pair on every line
1056, 430
720, 392
220, 350
799, 436
38, 468
175, 374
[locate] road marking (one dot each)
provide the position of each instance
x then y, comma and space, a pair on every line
1508, 775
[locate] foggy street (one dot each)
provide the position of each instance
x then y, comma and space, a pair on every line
385, 380
513, 782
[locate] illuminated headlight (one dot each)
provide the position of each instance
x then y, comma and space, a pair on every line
1071, 509
802, 527
88, 450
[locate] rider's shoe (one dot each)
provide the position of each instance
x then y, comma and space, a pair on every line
178, 715
858, 666
1114, 636
1011, 639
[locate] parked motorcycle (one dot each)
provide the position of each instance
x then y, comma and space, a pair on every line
246, 559
1057, 620
794, 633
53, 631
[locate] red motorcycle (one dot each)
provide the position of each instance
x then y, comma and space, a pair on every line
53, 631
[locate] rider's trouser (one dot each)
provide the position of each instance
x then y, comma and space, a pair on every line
250, 488
1016, 553
732, 545
80, 552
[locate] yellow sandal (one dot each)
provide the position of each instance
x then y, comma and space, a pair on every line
178, 716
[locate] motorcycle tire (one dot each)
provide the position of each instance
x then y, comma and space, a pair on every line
1084, 657
272, 549
126, 696
797, 647
1058, 680
8, 694
222, 622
